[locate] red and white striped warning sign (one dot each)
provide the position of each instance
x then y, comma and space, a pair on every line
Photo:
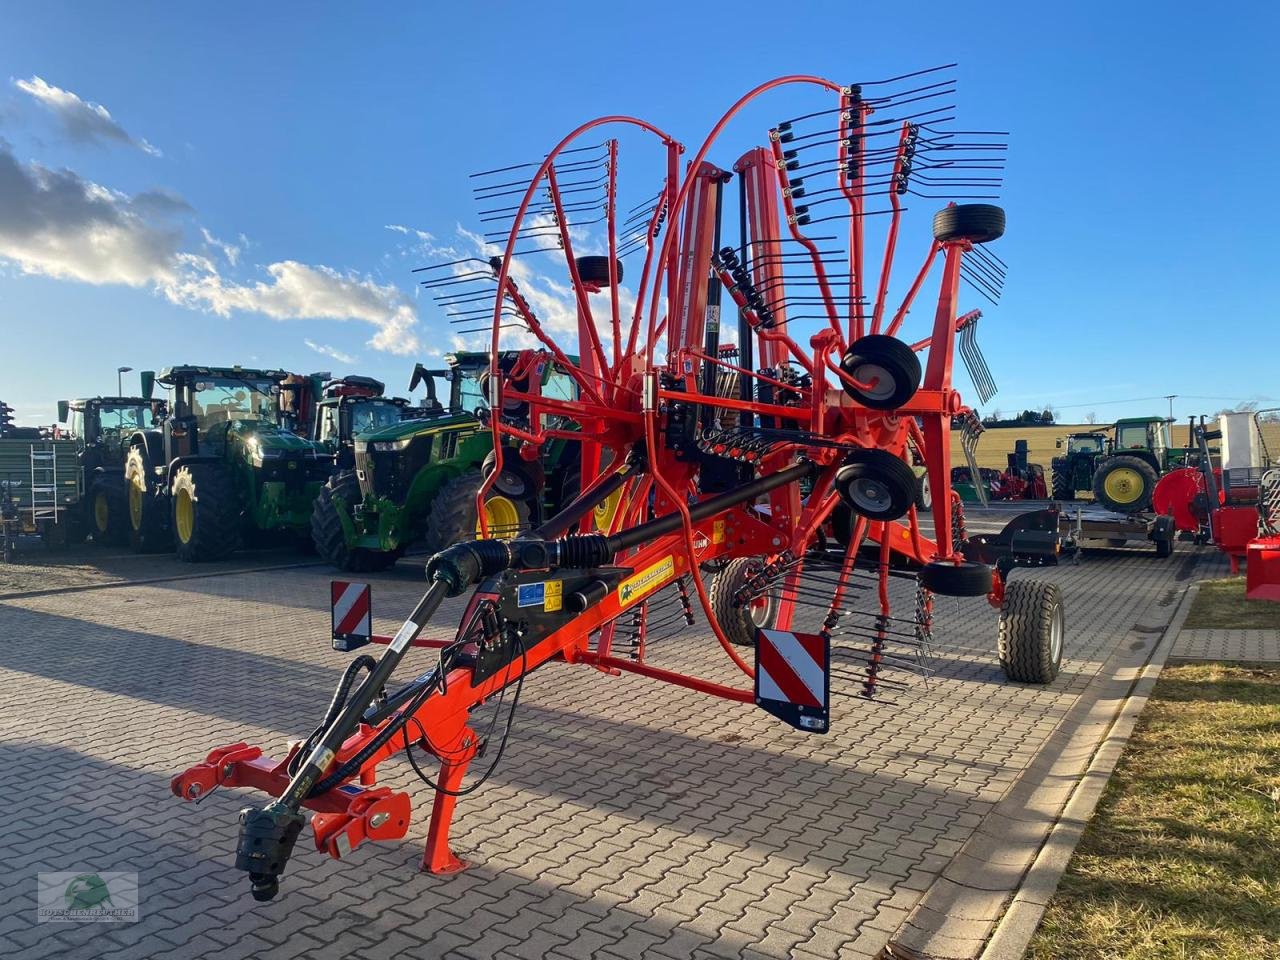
792, 677
352, 609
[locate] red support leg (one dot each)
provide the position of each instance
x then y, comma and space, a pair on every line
437, 857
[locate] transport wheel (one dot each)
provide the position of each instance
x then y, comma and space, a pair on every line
206, 513
1032, 626
924, 493
595, 270
1125, 484
876, 484
518, 480
740, 622
889, 366
1164, 548
342, 493
148, 518
965, 579
975, 222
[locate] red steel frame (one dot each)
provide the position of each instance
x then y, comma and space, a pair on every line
622, 406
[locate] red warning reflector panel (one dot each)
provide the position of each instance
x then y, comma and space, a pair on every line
352, 607
793, 678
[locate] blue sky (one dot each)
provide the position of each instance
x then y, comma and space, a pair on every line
254, 157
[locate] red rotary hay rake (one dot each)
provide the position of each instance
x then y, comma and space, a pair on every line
779, 467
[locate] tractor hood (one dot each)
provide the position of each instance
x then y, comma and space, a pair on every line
268, 441
410, 428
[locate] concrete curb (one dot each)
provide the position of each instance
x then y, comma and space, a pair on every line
1013, 933
989, 900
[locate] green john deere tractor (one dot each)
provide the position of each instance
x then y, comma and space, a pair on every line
222, 467
101, 427
1121, 469
416, 481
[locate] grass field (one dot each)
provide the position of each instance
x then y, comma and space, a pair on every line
1182, 858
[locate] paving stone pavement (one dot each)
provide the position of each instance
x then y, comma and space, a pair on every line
629, 818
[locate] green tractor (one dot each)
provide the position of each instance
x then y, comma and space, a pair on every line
101, 427
416, 481
332, 412
222, 467
1122, 469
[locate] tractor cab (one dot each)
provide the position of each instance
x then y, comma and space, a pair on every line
1143, 437
101, 426
211, 404
1085, 443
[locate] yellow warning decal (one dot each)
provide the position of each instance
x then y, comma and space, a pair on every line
717, 531
647, 580
554, 597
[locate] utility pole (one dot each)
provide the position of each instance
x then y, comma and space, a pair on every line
1171, 397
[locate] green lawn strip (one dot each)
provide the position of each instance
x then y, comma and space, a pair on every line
1221, 604
1182, 857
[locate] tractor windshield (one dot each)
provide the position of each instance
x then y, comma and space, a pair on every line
370, 415
1090, 444
217, 401
117, 421
1132, 437
470, 396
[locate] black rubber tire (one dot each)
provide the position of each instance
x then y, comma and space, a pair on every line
876, 475
738, 623
215, 530
1164, 548
947, 579
975, 222
149, 531
1025, 641
326, 529
924, 494
1062, 486
890, 360
595, 270
452, 514
1117, 542
520, 479
108, 495
1142, 501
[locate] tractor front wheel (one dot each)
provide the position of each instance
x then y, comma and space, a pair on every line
453, 515
739, 621
1063, 488
1125, 484
148, 522
327, 533
206, 513
1032, 626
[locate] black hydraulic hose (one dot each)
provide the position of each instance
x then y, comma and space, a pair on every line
636, 536
363, 662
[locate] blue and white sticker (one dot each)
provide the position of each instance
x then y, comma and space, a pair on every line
532, 594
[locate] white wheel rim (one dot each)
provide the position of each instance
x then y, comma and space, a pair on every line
866, 372
926, 492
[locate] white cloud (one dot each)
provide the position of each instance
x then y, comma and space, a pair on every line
299, 291
55, 223
82, 121
325, 350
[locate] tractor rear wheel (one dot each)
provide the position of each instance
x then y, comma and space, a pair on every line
739, 621
1063, 488
206, 512
109, 512
148, 518
1032, 626
1125, 484
327, 533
